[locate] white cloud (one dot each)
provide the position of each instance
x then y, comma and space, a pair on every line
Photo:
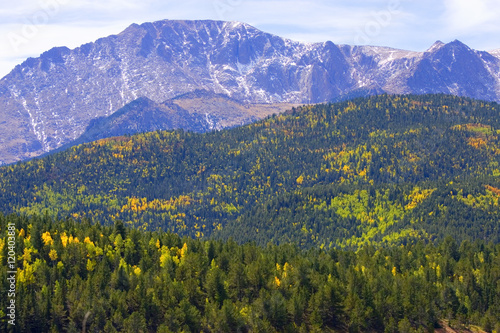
467, 15
311, 21
473, 22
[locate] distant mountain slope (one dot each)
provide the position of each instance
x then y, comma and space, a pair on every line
142, 115
379, 170
199, 111
221, 111
49, 101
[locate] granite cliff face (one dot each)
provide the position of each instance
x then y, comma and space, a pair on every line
49, 101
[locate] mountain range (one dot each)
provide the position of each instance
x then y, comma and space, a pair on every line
51, 100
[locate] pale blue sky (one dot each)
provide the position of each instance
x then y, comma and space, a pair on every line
30, 27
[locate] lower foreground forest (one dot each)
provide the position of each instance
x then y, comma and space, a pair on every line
378, 214
135, 281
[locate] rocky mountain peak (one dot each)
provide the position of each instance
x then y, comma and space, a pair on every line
436, 46
48, 101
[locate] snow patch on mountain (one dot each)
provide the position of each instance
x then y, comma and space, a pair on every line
495, 53
58, 94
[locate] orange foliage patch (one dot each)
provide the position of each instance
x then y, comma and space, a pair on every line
477, 142
493, 189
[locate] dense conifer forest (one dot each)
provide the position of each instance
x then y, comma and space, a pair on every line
375, 214
378, 170
129, 280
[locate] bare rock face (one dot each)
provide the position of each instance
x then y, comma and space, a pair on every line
51, 100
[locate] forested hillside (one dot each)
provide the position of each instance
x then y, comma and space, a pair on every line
377, 214
126, 280
381, 170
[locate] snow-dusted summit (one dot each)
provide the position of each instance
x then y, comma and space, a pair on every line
49, 101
